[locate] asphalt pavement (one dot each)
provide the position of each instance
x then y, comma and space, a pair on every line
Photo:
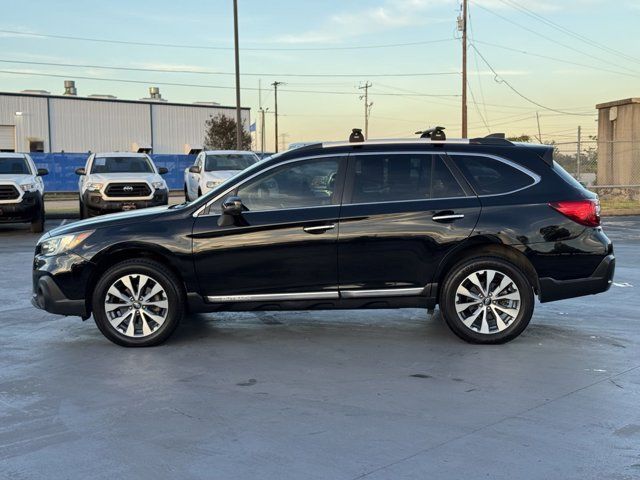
386, 394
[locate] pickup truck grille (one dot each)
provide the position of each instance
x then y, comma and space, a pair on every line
8, 192
128, 190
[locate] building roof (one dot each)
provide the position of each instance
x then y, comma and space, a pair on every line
116, 100
618, 103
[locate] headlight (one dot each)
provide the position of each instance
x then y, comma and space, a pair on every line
214, 183
94, 187
63, 243
28, 187
159, 185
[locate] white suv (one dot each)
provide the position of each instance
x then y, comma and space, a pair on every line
212, 167
120, 181
21, 190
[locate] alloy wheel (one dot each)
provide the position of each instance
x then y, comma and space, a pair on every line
136, 305
487, 301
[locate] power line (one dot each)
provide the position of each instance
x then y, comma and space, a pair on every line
209, 72
566, 31
553, 40
222, 87
499, 79
208, 47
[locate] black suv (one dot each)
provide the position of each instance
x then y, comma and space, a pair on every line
477, 226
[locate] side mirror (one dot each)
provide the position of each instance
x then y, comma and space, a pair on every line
232, 206
194, 169
81, 171
42, 172
163, 171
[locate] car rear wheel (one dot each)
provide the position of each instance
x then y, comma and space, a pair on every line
138, 303
487, 300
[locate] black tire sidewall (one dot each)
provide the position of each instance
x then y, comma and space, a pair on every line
461, 271
37, 223
158, 273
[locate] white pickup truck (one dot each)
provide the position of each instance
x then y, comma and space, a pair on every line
120, 181
21, 191
212, 167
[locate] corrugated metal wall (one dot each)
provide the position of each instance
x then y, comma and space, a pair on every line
31, 125
82, 125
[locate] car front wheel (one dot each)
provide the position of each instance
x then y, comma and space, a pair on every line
487, 300
138, 303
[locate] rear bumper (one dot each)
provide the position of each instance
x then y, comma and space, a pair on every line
48, 296
600, 281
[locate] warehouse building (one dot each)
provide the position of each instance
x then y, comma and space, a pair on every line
37, 121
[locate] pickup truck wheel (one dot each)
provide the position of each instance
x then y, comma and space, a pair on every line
486, 300
199, 192
37, 224
186, 193
138, 303
83, 213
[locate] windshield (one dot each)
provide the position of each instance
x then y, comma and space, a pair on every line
14, 166
121, 165
228, 161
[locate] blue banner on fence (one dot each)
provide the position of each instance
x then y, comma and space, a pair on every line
62, 167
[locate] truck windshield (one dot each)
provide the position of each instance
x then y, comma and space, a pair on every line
121, 165
229, 161
14, 166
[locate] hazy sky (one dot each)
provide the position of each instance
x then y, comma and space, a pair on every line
596, 60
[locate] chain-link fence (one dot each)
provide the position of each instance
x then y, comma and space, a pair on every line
610, 169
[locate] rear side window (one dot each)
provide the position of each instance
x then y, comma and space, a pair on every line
489, 176
393, 177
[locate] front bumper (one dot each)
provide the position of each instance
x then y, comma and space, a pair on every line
60, 284
599, 281
24, 211
95, 202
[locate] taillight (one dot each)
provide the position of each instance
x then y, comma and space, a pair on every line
584, 212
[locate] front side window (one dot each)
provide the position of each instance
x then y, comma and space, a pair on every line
14, 166
121, 165
394, 177
228, 161
489, 176
302, 184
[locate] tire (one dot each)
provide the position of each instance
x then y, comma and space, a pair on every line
493, 317
151, 326
199, 192
37, 224
83, 213
186, 193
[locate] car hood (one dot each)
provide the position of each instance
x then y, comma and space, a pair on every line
220, 174
17, 178
123, 177
113, 219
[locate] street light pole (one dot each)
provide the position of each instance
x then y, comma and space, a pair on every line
464, 69
237, 58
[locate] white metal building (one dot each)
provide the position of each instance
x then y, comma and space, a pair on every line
36, 121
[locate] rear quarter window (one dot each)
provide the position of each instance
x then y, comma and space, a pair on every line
489, 176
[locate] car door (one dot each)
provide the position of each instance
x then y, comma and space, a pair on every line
87, 171
401, 214
194, 178
284, 246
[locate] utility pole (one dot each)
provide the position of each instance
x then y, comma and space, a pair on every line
539, 133
283, 137
464, 68
237, 58
578, 155
263, 112
367, 106
275, 93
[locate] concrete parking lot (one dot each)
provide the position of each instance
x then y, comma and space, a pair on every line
323, 395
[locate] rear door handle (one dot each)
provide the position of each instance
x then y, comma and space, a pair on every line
446, 216
319, 228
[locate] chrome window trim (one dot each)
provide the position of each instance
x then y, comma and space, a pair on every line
238, 185
534, 176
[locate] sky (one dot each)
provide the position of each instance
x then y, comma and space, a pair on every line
551, 58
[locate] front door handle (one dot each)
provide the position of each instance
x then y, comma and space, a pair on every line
319, 228
446, 216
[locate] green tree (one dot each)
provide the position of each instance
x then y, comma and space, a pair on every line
221, 134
